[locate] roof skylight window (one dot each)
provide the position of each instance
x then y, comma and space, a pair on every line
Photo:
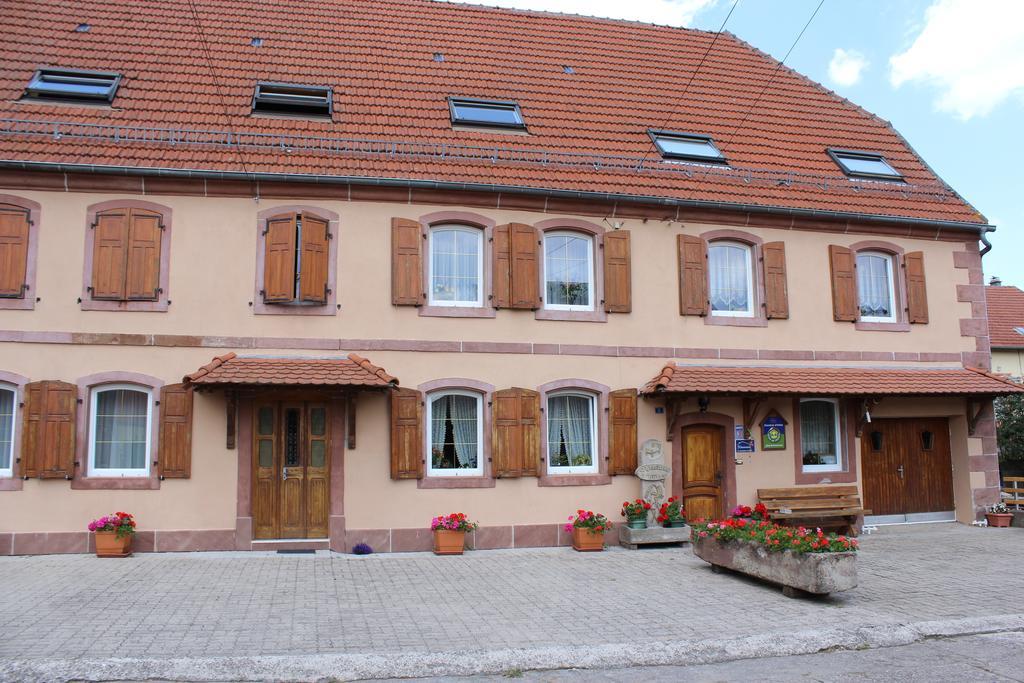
1019, 330
688, 146
73, 85
489, 113
288, 98
864, 164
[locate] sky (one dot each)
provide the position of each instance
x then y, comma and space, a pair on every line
948, 74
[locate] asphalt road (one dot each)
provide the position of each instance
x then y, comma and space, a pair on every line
974, 659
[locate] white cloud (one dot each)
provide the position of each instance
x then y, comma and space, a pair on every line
846, 66
668, 12
972, 52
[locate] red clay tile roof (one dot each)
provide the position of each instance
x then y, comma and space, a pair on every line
229, 369
1005, 316
587, 129
692, 379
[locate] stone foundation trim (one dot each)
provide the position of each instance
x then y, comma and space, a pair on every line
484, 538
500, 347
160, 541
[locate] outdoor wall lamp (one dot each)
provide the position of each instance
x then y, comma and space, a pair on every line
703, 402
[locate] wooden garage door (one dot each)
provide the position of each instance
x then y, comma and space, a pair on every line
906, 466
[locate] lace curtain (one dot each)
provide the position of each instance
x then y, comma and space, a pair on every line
874, 289
569, 431
453, 425
455, 265
728, 274
818, 433
6, 427
120, 438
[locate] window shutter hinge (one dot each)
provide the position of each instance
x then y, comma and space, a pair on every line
89, 289
330, 235
263, 292
156, 463
92, 226
79, 401
161, 226
156, 403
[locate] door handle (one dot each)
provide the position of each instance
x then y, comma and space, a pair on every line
284, 474
899, 471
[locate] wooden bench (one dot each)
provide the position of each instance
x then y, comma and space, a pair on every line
1013, 492
834, 507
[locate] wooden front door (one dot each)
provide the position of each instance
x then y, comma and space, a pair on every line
702, 472
291, 468
907, 466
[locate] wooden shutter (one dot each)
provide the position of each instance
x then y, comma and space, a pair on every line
14, 232
406, 263
406, 434
48, 424
523, 256
844, 286
501, 269
917, 296
776, 293
529, 424
515, 448
314, 261
617, 276
279, 259
110, 255
145, 232
693, 275
622, 431
175, 451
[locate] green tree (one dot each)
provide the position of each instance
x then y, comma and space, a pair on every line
1010, 427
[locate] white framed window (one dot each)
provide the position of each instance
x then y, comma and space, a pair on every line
8, 423
120, 429
572, 433
568, 271
820, 438
876, 294
456, 265
455, 434
731, 279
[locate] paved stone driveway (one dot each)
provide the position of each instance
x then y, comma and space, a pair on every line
214, 604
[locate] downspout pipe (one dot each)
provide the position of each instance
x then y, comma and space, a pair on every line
983, 236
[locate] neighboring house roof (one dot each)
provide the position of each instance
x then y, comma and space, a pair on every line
351, 371
778, 380
588, 129
1005, 317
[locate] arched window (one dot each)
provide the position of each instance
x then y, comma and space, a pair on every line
8, 423
456, 264
455, 433
875, 291
568, 271
120, 429
820, 435
572, 432
731, 279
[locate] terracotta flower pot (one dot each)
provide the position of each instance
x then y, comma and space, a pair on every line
587, 540
109, 545
999, 519
448, 542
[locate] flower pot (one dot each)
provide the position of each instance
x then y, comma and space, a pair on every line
448, 542
109, 545
677, 523
817, 573
587, 540
637, 522
999, 519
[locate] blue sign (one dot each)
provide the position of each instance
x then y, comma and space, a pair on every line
744, 445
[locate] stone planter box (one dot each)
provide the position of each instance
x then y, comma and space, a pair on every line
797, 573
631, 538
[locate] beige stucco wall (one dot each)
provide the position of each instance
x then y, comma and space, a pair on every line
1008, 361
213, 257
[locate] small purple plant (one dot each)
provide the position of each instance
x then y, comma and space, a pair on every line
362, 549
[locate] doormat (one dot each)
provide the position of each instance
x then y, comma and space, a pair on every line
303, 551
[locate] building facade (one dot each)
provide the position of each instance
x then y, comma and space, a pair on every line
260, 308
1006, 329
